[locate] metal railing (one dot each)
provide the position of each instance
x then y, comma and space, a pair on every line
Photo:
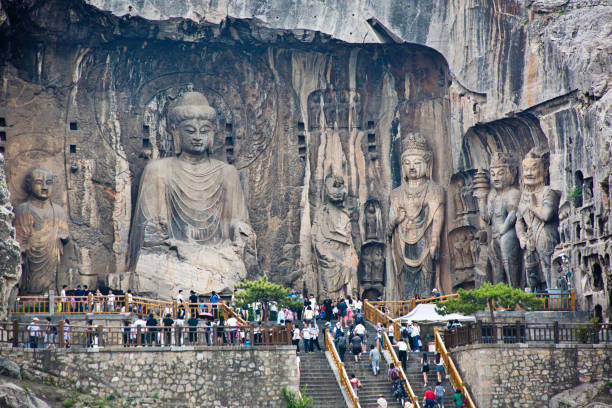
344, 380
397, 363
452, 370
552, 333
62, 335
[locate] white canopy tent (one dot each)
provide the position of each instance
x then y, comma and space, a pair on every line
426, 313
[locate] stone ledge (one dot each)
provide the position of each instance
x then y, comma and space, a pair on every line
531, 345
115, 349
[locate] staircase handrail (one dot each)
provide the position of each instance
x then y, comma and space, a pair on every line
344, 380
389, 347
456, 379
375, 315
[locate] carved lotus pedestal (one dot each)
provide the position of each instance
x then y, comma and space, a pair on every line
161, 271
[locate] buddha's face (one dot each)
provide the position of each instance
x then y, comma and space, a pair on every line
335, 189
196, 135
533, 172
501, 177
41, 185
414, 166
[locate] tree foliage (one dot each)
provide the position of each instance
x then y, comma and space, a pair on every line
295, 400
264, 291
491, 296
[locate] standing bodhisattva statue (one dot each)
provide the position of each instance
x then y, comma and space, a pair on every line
537, 220
336, 260
192, 204
416, 216
502, 203
42, 231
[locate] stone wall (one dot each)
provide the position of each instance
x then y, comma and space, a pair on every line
510, 375
185, 377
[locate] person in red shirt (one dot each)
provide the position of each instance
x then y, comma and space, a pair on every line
430, 398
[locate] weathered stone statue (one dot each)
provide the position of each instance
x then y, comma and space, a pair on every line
416, 216
42, 231
500, 214
537, 220
192, 204
373, 221
336, 260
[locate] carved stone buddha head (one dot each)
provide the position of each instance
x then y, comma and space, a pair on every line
502, 170
417, 158
193, 124
39, 184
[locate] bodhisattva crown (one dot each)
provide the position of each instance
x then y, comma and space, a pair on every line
415, 143
502, 159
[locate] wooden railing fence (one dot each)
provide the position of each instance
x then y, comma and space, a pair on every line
63, 335
452, 371
397, 363
344, 380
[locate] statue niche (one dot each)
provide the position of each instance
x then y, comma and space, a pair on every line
191, 218
42, 231
372, 266
373, 221
416, 215
335, 257
537, 220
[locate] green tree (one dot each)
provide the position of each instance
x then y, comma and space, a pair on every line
489, 296
295, 400
264, 291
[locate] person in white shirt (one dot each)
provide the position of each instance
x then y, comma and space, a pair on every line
139, 322
295, 339
360, 330
179, 297
391, 332
358, 305
34, 331
111, 301
402, 349
381, 401
63, 299
314, 337
232, 323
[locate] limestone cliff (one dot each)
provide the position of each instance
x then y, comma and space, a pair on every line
10, 266
308, 87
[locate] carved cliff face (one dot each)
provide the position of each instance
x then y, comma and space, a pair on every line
41, 184
501, 177
196, 135
533, 173
414, 167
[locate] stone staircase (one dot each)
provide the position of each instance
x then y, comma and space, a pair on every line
372, 385
413, 372
319, 378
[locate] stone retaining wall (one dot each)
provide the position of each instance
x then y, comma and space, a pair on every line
522, 375
182, 377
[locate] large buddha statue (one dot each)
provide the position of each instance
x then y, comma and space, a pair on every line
416, 215
41, 228
537, 220
192, 204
